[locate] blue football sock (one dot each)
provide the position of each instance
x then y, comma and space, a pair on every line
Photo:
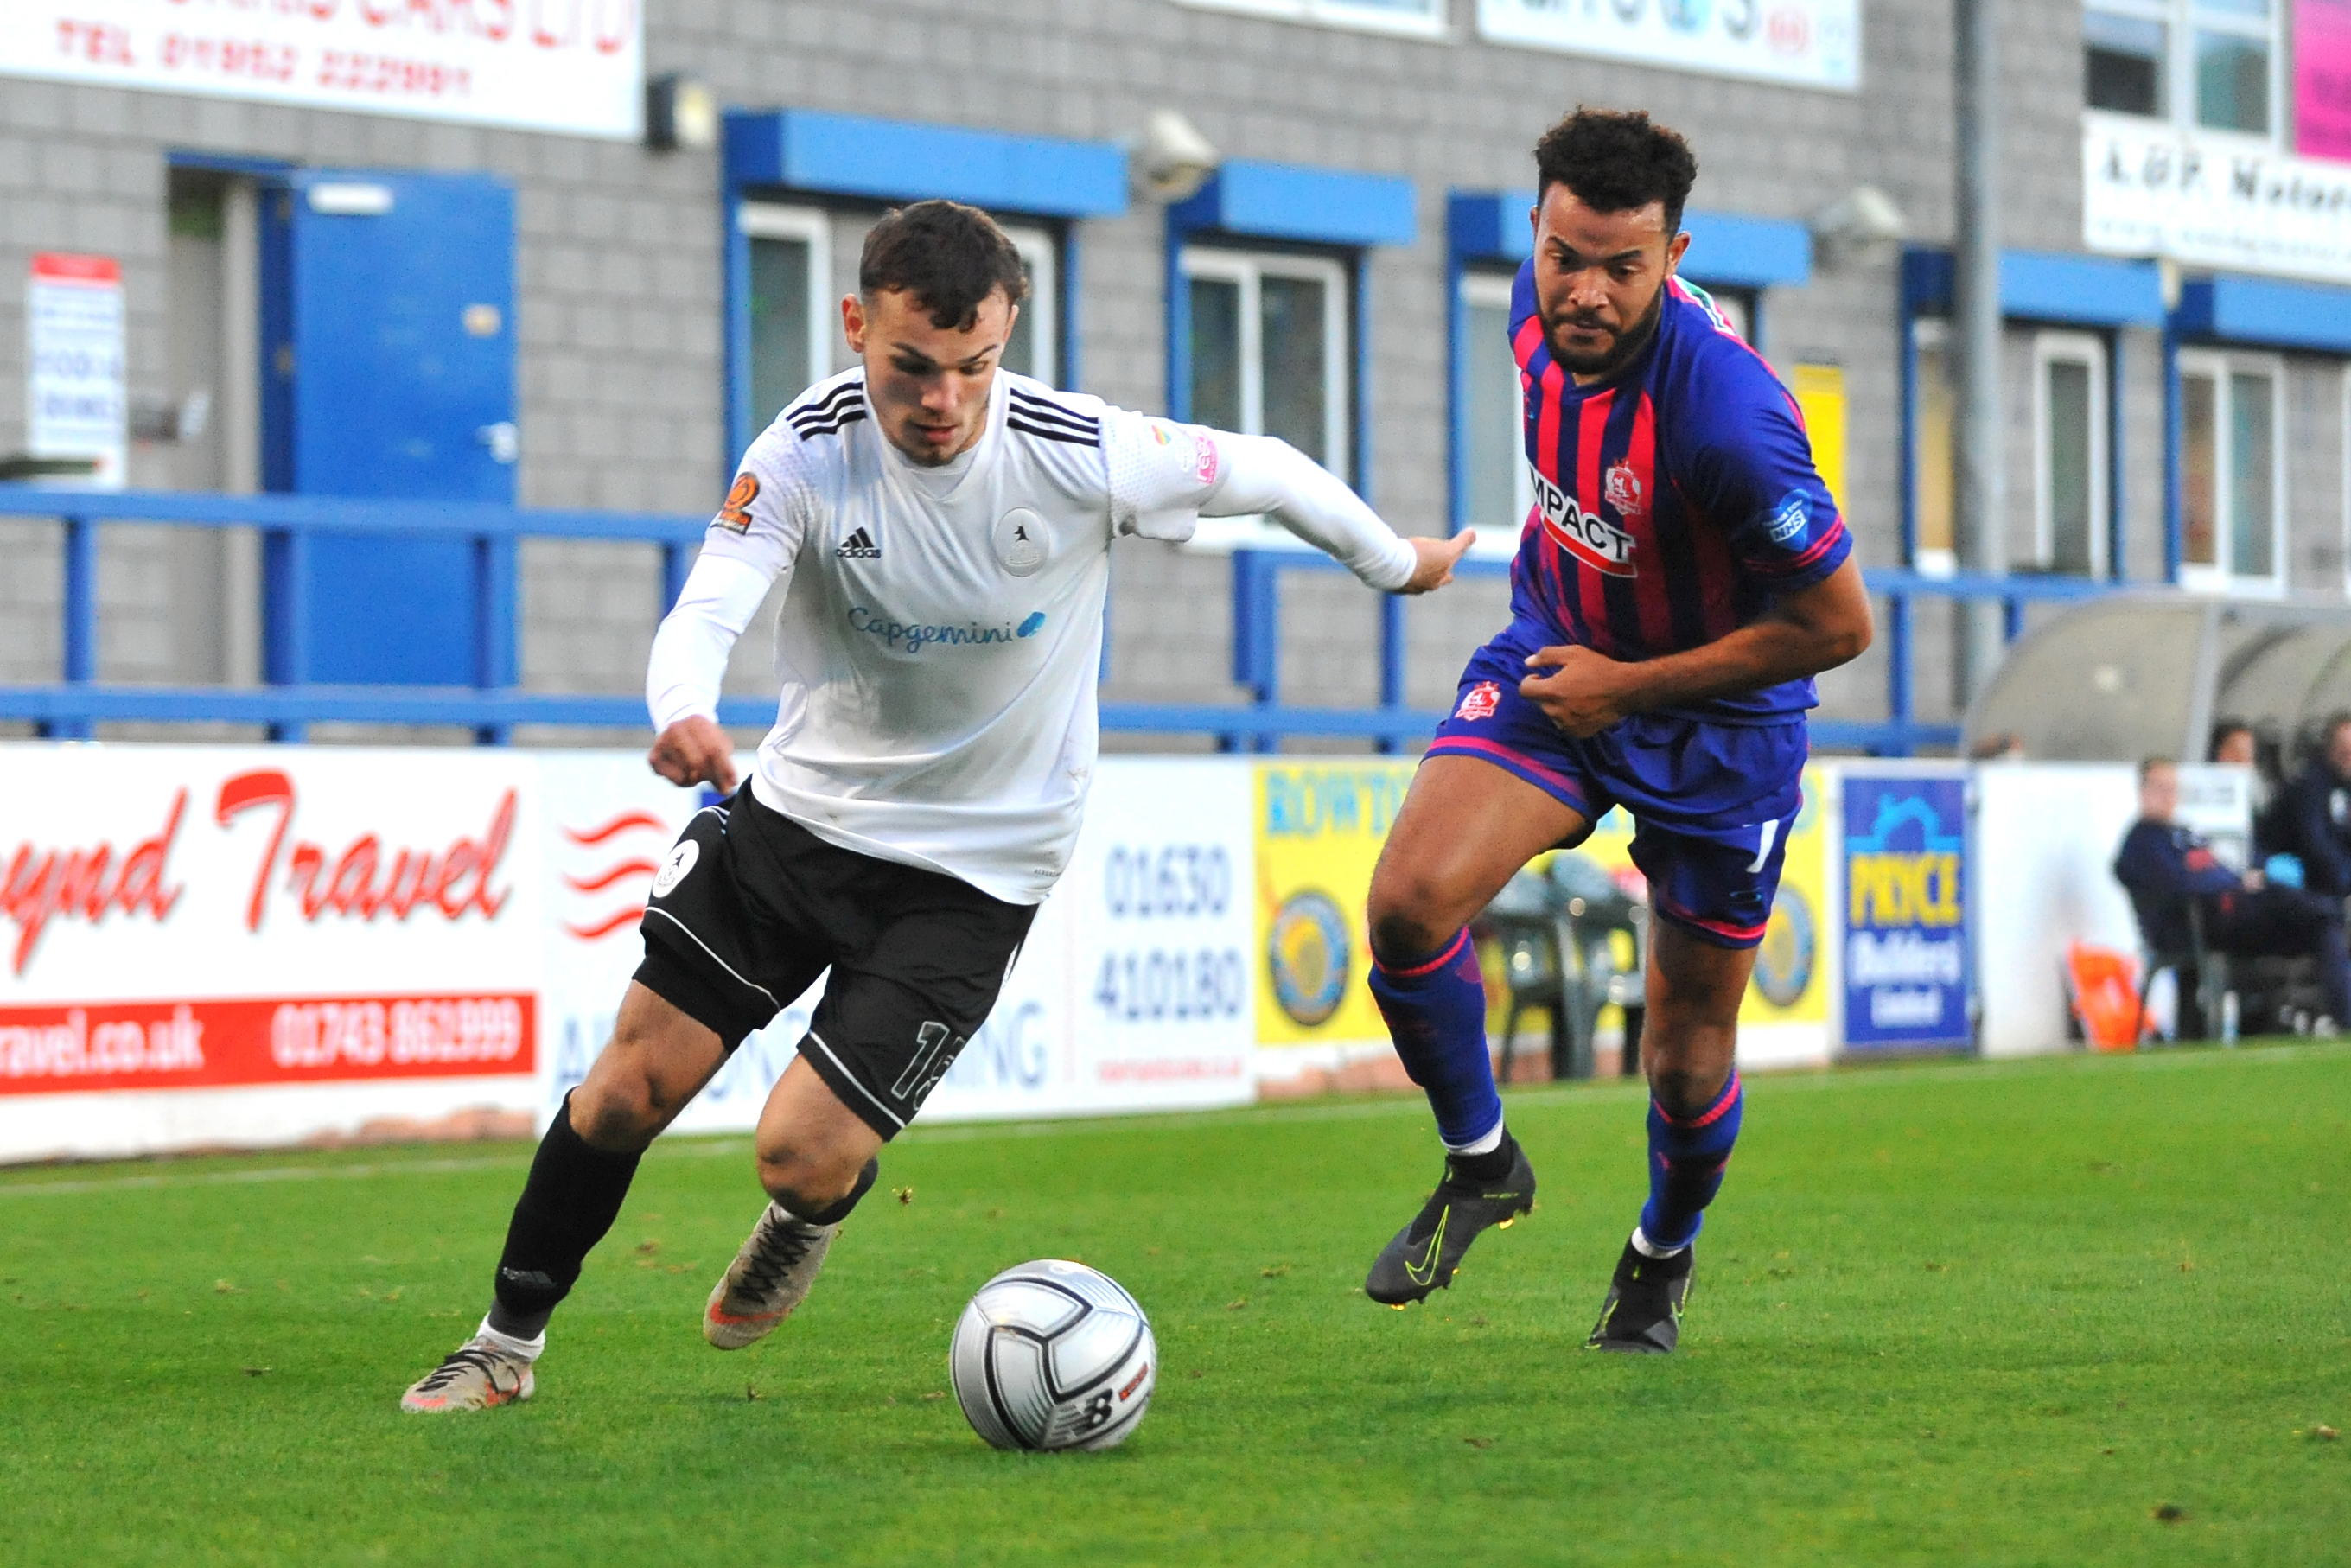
1436, 1009
1686, 1159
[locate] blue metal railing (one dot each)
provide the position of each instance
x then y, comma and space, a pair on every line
493, 706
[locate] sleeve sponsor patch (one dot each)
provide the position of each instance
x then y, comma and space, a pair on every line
1789, 521
1205, 460
737, 513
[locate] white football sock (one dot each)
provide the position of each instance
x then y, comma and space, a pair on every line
1648, 1248
528, 1349
1485, 1145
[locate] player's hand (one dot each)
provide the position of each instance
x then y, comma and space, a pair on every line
694, 750
1432, 566
1581, 690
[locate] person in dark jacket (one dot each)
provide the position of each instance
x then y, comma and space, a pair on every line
2312, 819
2162, 865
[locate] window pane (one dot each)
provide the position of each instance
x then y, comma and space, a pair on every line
779, 324
2199, 479
1296, 364
2122, 63
2072, 445
2252, 457
2233, 82
1931, 456
1399, 10
1491, 422
1020, 348
1217, 352
2254, 9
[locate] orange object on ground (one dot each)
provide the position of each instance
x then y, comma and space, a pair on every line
2103, 984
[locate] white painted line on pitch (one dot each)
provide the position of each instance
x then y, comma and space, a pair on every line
690, 1148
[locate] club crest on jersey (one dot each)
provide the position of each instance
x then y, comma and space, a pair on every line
1021, 542
1480, 701
1623, 489
737, 513
1587, 536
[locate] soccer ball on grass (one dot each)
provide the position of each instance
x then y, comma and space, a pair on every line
1053, 1354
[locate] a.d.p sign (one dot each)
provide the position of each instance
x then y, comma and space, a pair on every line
1906, 957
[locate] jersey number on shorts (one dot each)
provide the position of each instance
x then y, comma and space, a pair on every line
936, 1048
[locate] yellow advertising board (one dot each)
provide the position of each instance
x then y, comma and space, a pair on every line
1789, 987
1318, 829
1320, 826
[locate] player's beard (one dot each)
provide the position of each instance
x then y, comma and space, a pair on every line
1622, 349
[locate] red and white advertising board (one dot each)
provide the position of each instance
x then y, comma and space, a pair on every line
228, 946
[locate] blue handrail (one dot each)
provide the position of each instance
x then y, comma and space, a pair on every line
493, 707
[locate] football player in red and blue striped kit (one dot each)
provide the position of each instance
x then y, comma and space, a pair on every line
1682, 577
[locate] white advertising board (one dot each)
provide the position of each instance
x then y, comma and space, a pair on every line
1801, 43
2150, 189
569, 66
1132, 992
74, 406
254, 945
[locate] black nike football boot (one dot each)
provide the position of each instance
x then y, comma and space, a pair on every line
1424, 1254
1642, 1314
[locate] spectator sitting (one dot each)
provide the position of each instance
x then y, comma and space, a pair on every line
2312, 819
2162, 865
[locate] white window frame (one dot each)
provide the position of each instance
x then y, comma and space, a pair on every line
1489, 291
1042, 252
2216, 578
2087, 349
1248, 268
1928, 333
812, 225
2182, 19
1437, 23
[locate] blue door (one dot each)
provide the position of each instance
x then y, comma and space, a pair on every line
388, 371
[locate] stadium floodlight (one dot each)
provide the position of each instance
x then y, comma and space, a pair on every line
1172, 161
1862, 225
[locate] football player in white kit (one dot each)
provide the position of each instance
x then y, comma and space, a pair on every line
945, 527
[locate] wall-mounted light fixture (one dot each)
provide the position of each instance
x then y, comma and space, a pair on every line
680, 113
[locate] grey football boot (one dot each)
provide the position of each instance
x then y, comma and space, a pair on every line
1424, 1254
771, 1277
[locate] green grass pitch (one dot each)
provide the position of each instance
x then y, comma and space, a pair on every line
2072, 1312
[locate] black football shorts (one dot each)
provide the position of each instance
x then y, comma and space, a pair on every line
750, 907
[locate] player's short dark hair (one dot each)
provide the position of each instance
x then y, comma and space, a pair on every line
1616, 161
949, 257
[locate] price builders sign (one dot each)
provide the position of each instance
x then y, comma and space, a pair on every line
569, 66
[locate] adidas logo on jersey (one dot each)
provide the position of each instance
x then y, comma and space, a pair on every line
859, 545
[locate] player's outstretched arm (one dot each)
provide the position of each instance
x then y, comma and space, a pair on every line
689, 664
1265, 475
1808, 630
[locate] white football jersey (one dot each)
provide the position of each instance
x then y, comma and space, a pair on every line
939, 643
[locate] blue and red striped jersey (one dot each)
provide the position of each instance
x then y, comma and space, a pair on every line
1672, 500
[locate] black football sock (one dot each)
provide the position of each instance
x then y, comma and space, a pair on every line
568, 1202
1492, 1166
836, 1211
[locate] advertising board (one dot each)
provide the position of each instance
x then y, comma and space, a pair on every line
1803, 43
2322, 79
1319, 827
224, 943
572, 66
2214, 200
1784, 1020
1907, 968
74, 406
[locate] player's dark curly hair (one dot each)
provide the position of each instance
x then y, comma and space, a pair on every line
1617, 161
949, 257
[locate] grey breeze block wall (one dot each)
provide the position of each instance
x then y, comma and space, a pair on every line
619, 307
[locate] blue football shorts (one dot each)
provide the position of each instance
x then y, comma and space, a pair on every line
1711, 802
